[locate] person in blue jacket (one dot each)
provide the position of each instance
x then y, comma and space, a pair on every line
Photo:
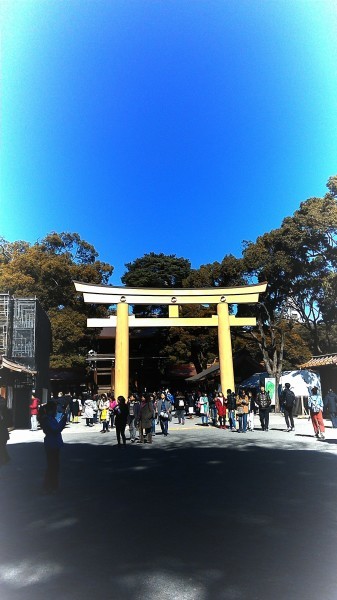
52, 424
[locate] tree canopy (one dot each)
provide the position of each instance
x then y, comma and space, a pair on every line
46, 270
157, 270
299, 262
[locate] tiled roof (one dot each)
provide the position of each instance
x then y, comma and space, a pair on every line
204, 373
320, 361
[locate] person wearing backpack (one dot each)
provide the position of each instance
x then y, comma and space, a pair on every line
179, 405
315, 405
288, 402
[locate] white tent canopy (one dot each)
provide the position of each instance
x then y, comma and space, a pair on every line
301, 381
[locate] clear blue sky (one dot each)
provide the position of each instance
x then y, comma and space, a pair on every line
180, 126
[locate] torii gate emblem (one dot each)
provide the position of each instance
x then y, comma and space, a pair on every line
123, 297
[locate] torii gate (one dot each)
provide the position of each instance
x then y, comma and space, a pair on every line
123, 297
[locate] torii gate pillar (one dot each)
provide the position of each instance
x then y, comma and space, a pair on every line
122, 351
225, 348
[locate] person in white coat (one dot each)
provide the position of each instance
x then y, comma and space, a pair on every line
103, 406
88, 411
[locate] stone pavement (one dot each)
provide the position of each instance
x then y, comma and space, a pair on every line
203, 514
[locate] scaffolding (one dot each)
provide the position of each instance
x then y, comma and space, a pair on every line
24, 324
4, 319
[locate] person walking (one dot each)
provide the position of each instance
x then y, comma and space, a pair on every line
88, 411
204, 408
60, 404
75, 408
133, 416
288, 400
231, 406
252, 412
95, 405
315, 404
53, 442
155, 403
112, 406
104, 406
179, 405
146, 416
121, 417
330, 402
221, 410
68, 404
191, 404
213, 413
164, 408
263, 401
170, 397
34, 409
242, 408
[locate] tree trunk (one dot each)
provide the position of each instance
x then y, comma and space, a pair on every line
196, 360
272, 352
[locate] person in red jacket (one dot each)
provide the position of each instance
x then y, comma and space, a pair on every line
221, 409
34, 409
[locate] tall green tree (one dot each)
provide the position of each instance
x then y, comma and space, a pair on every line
299, 261
156, 271
46, 270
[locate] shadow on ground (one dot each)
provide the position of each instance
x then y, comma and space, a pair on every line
185, 522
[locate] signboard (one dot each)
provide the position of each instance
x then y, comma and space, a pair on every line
269, 386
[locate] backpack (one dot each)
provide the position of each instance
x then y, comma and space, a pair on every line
265, 401
288, 398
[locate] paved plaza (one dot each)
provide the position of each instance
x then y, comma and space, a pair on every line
203, 514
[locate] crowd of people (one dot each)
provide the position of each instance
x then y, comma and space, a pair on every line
142, 413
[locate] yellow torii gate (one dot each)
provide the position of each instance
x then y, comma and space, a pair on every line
123, 297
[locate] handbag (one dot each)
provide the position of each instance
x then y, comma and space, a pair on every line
163, 414
240, 410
